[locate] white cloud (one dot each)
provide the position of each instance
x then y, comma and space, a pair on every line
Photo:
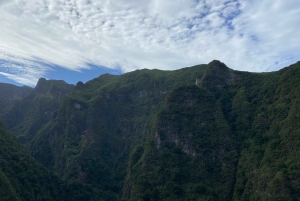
172, 10
22, 70
273, 27
130, 34
24, 79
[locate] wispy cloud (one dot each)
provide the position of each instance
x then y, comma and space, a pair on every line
246, 35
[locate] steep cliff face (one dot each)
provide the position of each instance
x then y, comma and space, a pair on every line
99, 124
158, 135
190, 153
29, 113
248, 153
57, 88
264, 116
217, 76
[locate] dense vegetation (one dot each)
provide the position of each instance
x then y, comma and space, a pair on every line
21, 177
29, 113
201, 133
99, 124
10, 94
190, 155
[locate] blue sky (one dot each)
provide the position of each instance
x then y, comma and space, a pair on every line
77, 40
83, 75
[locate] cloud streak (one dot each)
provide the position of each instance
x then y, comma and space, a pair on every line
133, 34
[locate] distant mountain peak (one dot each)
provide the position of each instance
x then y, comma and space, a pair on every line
40, 86
216, 76
53, 86
79, 85
217, 63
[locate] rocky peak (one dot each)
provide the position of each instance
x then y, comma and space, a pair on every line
79, 85
216, 76
41, 86
53, 87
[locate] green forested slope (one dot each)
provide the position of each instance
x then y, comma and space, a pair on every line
99, 124
201, 133
191, 153
266, 120
29, 113
259, 133
21, 178
9, 94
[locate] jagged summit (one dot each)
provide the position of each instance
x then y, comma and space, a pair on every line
217, 63
154, 135
79, 85
26, 115
53, 86
216, 76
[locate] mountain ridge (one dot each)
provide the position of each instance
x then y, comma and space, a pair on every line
200, 133
37, 107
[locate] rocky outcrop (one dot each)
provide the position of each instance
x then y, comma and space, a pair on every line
217, 76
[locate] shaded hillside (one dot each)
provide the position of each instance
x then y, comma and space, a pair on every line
99, 124
190, 153
201, 133
249, 153
23, 179
179, 141
29, 113
9, 94
265, 117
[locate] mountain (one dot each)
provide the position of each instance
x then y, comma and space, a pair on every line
190, 153
23, 179
9, 94
233, 138
31, 111
99, 124
205, 132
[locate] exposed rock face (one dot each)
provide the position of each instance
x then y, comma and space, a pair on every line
191, 127
42, 86
99, 124
237, 141
57, 88
154, 135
